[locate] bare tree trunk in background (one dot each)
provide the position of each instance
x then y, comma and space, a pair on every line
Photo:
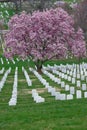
41, 5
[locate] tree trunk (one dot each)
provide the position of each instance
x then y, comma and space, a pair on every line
39, 66
41, 5
39, 70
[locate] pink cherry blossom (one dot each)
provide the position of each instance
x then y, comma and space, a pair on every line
43, 35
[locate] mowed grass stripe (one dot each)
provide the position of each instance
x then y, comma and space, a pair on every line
50, 115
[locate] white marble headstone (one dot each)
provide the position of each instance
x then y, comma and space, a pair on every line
83, 87
73, 80
86, 79
81, 72
59, 81
78, 94
85, 94
53, 91
67, 87
62, 96
82, 77
65, 77
78, 83
57, 96
62, 75
68, 72
72, 90
69, 78
78, 76
74, 75
71, 73
85, 73
62, 84
39, 100
69, 97
49, 89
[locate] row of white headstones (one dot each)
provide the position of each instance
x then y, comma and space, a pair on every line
62, 72
73, 73
13, 61
58, 95
3, 80
13, 99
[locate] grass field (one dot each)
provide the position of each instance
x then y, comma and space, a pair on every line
28, 115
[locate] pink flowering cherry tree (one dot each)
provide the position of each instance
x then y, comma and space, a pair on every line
42, 36
79, 47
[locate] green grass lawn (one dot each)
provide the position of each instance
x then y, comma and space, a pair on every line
27, 115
